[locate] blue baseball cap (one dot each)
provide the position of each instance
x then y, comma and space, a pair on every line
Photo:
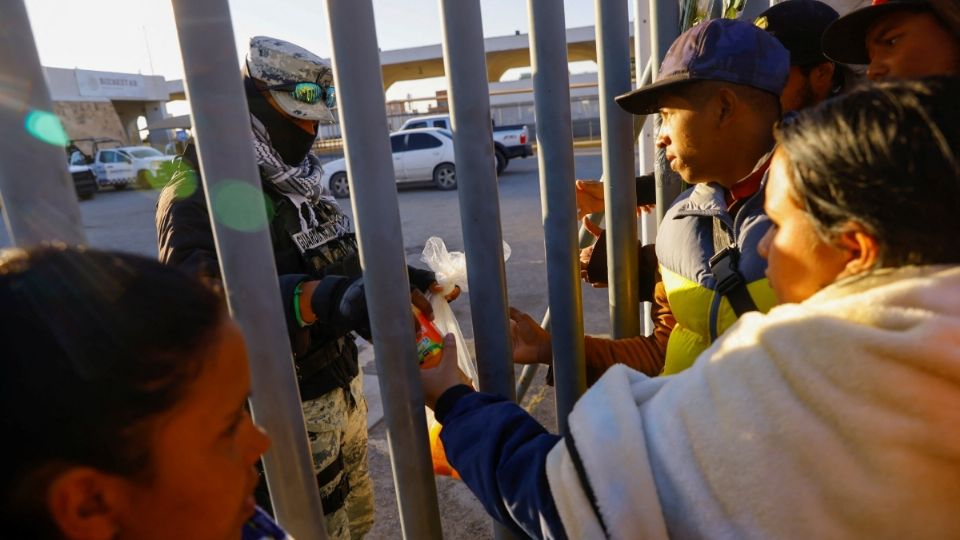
725, 50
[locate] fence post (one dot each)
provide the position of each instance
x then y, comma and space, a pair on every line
469, 96
36, 190
239, 221
551, 87
644, 74
646, 141
465, 66
620, 194
373, 192
664, 29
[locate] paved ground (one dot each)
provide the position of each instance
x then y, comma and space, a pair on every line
124, 221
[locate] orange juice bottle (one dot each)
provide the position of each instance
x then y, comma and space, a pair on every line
429, 342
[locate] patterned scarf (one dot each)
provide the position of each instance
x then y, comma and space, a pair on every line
300, 184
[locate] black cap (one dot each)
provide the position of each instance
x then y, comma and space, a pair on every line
799, 25
845, 39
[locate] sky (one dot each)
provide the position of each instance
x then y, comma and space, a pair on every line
139, 36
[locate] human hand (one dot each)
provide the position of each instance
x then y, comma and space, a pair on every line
350, 306
438, 288
589, 197
421, 304
531, 343
420, 278
585, 255
592, 227
445, 375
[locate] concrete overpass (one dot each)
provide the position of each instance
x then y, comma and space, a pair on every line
107, 104
503, 53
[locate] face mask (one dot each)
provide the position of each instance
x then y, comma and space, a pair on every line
288, 138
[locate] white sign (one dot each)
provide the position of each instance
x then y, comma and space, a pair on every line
111, 85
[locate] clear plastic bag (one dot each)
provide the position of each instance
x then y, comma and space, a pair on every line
451, 271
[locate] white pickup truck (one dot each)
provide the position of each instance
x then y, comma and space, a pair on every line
120, 167
508, 141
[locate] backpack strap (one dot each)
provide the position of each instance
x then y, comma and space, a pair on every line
730, 282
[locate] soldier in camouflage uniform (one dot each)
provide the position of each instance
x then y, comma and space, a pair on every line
289, 93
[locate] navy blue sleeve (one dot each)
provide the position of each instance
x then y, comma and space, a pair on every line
500, 452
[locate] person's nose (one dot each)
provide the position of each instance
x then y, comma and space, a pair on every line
663, 137
877, 70
258, 443
763, 248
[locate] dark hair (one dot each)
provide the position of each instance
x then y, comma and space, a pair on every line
95, 345
843, 77
883, 156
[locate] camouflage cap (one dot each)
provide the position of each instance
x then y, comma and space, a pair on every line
275, 61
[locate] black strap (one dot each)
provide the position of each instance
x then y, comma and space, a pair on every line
584, 481
730, 282
336, 499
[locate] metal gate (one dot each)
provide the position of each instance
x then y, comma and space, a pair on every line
34, 182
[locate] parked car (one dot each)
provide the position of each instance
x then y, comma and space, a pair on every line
120, 167
508, 141
419, 155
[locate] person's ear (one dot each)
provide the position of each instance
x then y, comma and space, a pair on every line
821, 79
861, 248
727, 102
85, 503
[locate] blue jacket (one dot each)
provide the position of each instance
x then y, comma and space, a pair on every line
500, 452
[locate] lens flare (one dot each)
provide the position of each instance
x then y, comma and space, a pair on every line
237, 205
186, 186
46, 127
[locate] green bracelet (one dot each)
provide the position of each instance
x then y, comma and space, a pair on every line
296, 305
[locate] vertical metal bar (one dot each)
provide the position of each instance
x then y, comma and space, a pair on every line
620, 194
231, 180
36, 191
551, 89
664, 29
465, 65
646, 139
363, 119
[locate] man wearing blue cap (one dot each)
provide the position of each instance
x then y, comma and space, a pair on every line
718, 92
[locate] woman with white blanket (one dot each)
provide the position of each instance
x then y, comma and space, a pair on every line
836, 415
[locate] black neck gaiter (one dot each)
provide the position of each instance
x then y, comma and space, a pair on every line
289, 139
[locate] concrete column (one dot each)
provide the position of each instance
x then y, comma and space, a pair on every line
155, 111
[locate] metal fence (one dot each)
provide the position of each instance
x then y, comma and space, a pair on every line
33, 181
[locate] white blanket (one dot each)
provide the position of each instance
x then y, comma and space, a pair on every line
835, 418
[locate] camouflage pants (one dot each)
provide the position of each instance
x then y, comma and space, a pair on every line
337, 422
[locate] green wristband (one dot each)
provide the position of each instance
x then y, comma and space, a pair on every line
296, 305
